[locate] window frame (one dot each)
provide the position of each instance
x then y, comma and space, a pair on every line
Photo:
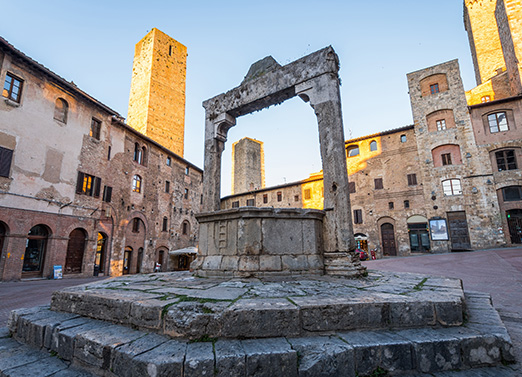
441, 124
412, 179
250, 203
137, 183
9, 90
165, 224
265, 198
373, 146
350, 148
452, 186
279, 196
497, 123
167, 186
60, 114
502, 155
446, 159
404, 139
504, 196
378, 183
6, 160
95, 130
434, 88
357, 216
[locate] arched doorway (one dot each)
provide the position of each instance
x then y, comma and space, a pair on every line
419, 234
127, 257
100, 253
35, 251
514, 219
75, 251
388, 240
140, 260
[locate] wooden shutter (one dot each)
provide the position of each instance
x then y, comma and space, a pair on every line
107, 194
97, 185
79, 183
6, 156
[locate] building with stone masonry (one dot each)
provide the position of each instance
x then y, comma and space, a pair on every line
249, 157
157, 96
452, 180
81, 189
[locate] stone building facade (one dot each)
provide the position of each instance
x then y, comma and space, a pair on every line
452, 180
81, 189
157, 96
248, 165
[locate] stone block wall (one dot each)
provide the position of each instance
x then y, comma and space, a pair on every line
235, 242
157, 97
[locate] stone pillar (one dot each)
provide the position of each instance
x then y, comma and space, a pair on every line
216, 130
324, 96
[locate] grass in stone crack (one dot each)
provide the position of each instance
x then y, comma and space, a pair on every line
204, 338
185, 298
419, 286
166, 309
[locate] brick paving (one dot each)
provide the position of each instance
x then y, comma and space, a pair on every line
27, 293
495, 271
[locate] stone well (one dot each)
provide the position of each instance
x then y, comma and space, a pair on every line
256, 242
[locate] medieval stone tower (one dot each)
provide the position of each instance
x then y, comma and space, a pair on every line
495, 37
157, 96
248, 165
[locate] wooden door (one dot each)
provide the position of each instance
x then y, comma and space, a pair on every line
75, 251
388, 240
514, 219
458, 230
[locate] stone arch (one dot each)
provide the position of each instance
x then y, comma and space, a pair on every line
447, 154
440, 120
439, 79
75, 251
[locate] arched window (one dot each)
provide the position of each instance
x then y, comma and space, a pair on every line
143, 159
136, 183
512, 193
127, 258
373, 146
137, 152
185, 227
165, 224
403, 138
61, 108
352, 150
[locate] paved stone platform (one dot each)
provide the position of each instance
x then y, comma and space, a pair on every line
109, 349
180, 305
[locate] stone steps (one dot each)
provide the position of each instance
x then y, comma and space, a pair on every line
103, 348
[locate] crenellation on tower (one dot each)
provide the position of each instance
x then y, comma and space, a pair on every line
157, 96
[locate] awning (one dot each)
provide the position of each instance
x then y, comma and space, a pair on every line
187, 250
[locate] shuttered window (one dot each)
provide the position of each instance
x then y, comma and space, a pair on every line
88, 185
6, 156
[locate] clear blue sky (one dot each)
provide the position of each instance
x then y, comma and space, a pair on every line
378, 43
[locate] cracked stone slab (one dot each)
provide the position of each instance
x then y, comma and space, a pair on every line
385, 349
324, 356
270, 357
199, 360
230, 358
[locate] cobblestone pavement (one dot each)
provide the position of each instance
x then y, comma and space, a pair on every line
27, 293
496, 271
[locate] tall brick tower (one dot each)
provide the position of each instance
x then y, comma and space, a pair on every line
495, 36
157, 95
248, 165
